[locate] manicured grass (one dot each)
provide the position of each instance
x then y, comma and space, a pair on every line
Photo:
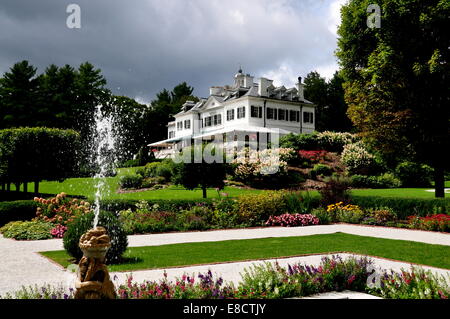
177, 255
396, 192
86, 187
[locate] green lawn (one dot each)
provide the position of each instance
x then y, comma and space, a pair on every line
178, 255
86, 187
396, 192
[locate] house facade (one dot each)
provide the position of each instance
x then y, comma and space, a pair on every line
253, 109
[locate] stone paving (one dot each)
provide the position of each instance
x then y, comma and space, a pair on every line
22, 265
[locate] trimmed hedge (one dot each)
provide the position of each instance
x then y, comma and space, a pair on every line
114, 205
404, 207
17, 210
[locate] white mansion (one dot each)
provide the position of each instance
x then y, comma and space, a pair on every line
244, 109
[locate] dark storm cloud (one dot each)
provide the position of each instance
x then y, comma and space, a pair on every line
144, 46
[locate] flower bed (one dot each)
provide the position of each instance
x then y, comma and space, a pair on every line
438, 222
271, 281
289, 220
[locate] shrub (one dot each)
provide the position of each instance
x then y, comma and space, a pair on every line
357, 158
387, 180
320, 170
174, 205
131, 181
152, 182
404, 207
58, 231
292, 220
150, 169
312, 156
336, 189
196, 218
299, 202
414, 174
381, 216
322, 215
60, 209
130, 163
17, 210
256, 208
27, 230
82, 224
225, 213
146, 218
347, 214
261, 168
300, 141
438, 222
335, 141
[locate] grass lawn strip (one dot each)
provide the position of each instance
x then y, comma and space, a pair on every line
188, 254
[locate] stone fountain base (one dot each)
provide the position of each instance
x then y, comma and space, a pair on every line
93, 281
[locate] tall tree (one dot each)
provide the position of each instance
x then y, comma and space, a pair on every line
328, 96
316, 91
162, 110
18, 92
397, 78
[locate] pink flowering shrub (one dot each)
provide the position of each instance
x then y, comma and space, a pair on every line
313, 156
58, 231
288, 220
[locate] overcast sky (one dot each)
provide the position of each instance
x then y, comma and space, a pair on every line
143, 46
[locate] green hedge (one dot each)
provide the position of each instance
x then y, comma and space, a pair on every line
404, 207
17, 210
174, 205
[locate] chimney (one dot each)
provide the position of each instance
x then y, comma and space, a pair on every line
263, 85
301, 89
248, 81
215, 90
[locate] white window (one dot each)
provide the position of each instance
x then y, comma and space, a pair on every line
241, 112
208, 121
283, 115
256, 111
308, 117
272, 114
230, 115
293, 116
179, 126
187, 124
217, 119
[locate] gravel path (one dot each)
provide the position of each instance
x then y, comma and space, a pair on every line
23, 266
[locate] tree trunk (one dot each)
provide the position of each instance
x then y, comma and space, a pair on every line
204, 191
439, 182
17, 187
25, 187
36, 187
8, 187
